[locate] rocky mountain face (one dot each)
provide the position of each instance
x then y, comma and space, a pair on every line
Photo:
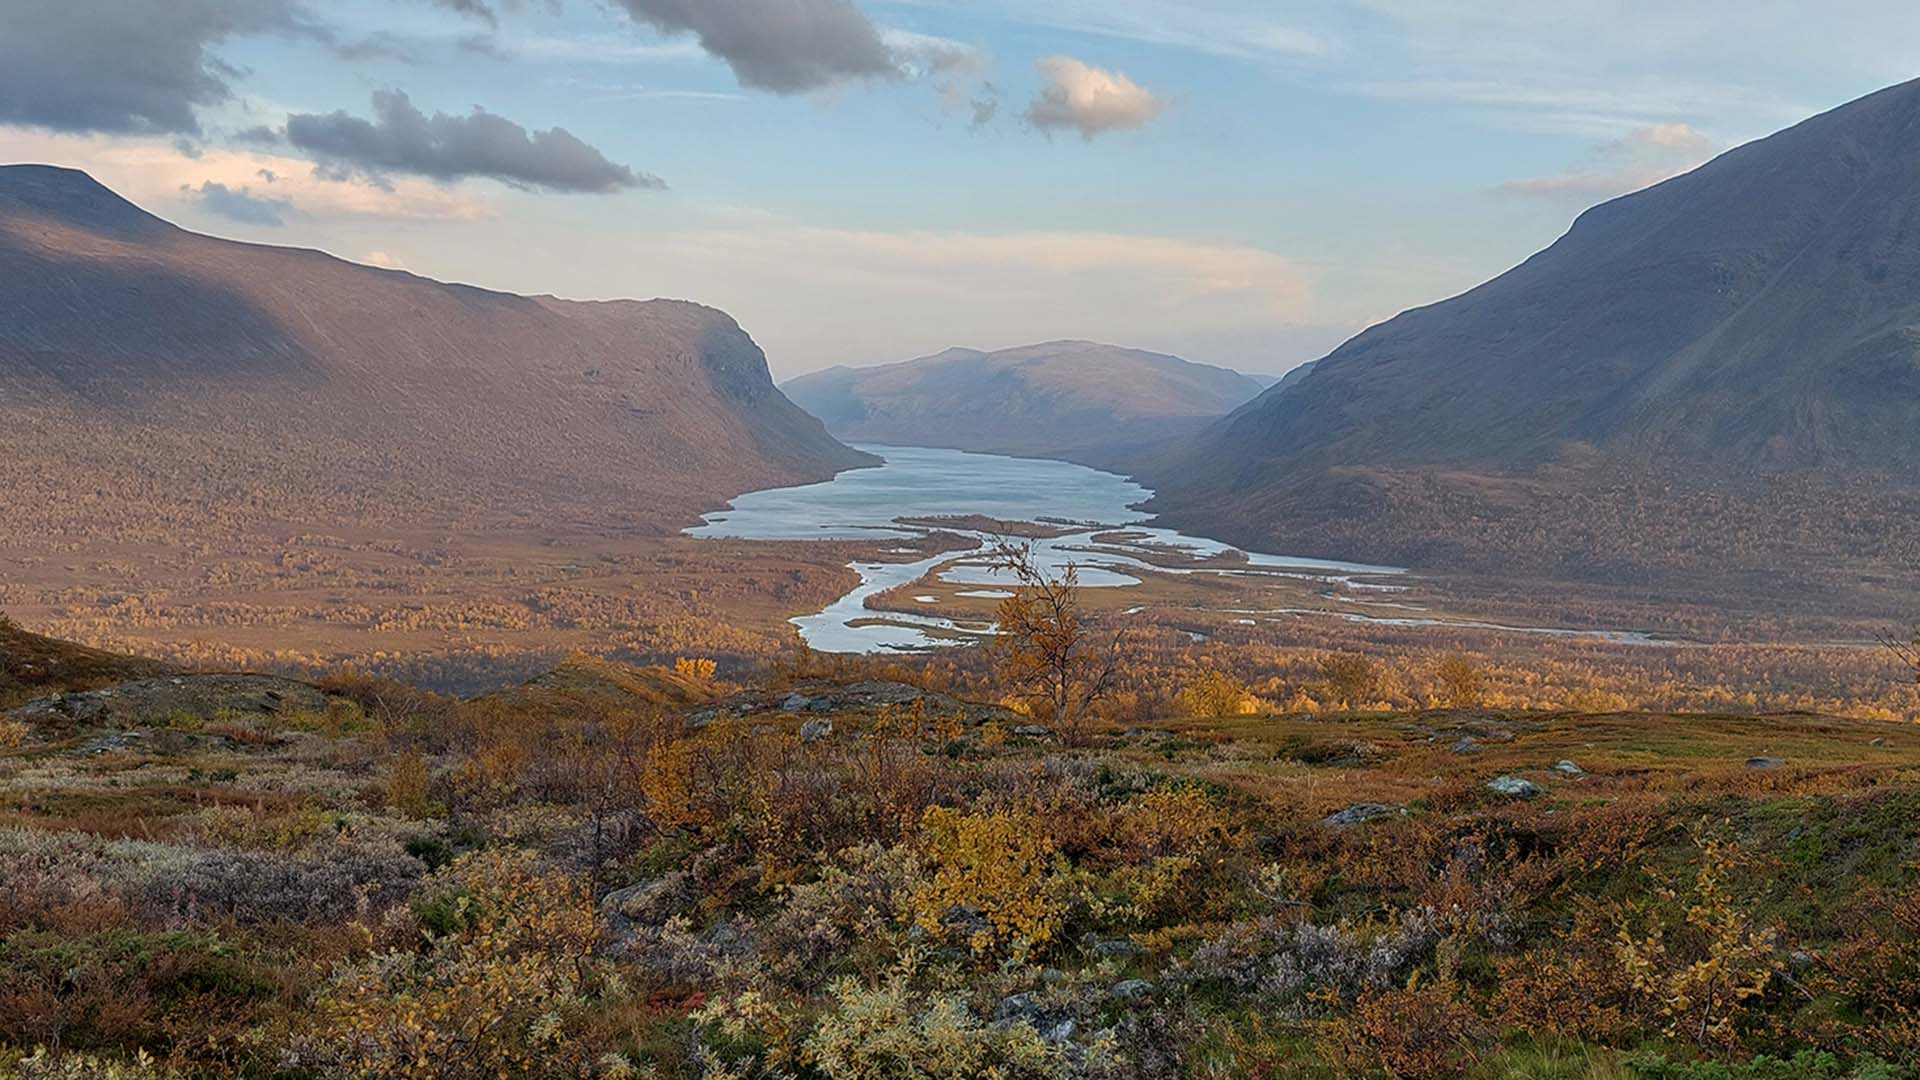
159, 380
1716, 374
1060, 399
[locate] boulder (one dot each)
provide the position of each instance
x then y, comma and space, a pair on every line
1765, 763
1568, 768
1360, 814
816, 729
1515, 787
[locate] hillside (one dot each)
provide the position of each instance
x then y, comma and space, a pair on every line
1059, 399
616, 872
1716, 377
153, 380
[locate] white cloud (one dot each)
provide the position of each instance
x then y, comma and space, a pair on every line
1089, 100
1641, 158
154, 174
382, 260
1234, 29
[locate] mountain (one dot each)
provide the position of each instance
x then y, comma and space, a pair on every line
1059, 399
1717, 375
154, 381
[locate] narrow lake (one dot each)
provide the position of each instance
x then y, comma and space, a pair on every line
918, 482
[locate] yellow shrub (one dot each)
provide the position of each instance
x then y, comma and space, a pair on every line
893, 1031
996, 864
694, 668
1215, 693
408, 787
13, 734
497, 985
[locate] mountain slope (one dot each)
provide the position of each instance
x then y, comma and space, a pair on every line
152, 379
1720, 371
1062, 398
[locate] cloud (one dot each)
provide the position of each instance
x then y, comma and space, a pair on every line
240, 204
922, 290
1641, 158
1232, 29
478, 9
117, 67
784, 46
402, 139
382, 260
148, 170
925, 54
1089, 100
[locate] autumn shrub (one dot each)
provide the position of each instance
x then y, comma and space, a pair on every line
1423, 1031
45, 1064
858, 900
13, 734
991, 883
1462, 683
400, 709
1298, 967
123, 987
1698, 952
893, 1032
1214, 693
1350, 679
409, 787
493, 976
699, 669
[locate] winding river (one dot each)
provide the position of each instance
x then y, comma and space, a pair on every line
917, 482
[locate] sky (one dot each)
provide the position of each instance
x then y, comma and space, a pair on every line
863, 181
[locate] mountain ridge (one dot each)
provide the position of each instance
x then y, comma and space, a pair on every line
1065, 398
1735, 333
274, 370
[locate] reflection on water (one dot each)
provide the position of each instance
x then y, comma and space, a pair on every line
918, 482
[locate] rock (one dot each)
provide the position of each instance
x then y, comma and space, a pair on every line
1878, 742
1515, 787
151, 702
1568, 768
1467, 745
1019, 1008
1765, 763
1033, 731
1061, 1032
1115, 950
1131, 989
1360, 814
797, 703
649, 902
815, 730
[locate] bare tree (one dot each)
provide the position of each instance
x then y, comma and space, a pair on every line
1044, 648
1906, 650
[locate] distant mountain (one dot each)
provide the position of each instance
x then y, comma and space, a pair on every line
1719, 375
157, 381
1062, 398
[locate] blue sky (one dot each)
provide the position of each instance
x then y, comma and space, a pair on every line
1239, 182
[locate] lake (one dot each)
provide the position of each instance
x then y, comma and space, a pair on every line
918, 482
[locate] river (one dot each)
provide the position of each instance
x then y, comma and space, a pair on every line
917, 482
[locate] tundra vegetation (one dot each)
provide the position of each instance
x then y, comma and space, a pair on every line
1343, 864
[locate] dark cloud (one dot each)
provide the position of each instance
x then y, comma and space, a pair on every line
260, 135
479, 9
402, 139
240, 204
127, 66
786, 46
